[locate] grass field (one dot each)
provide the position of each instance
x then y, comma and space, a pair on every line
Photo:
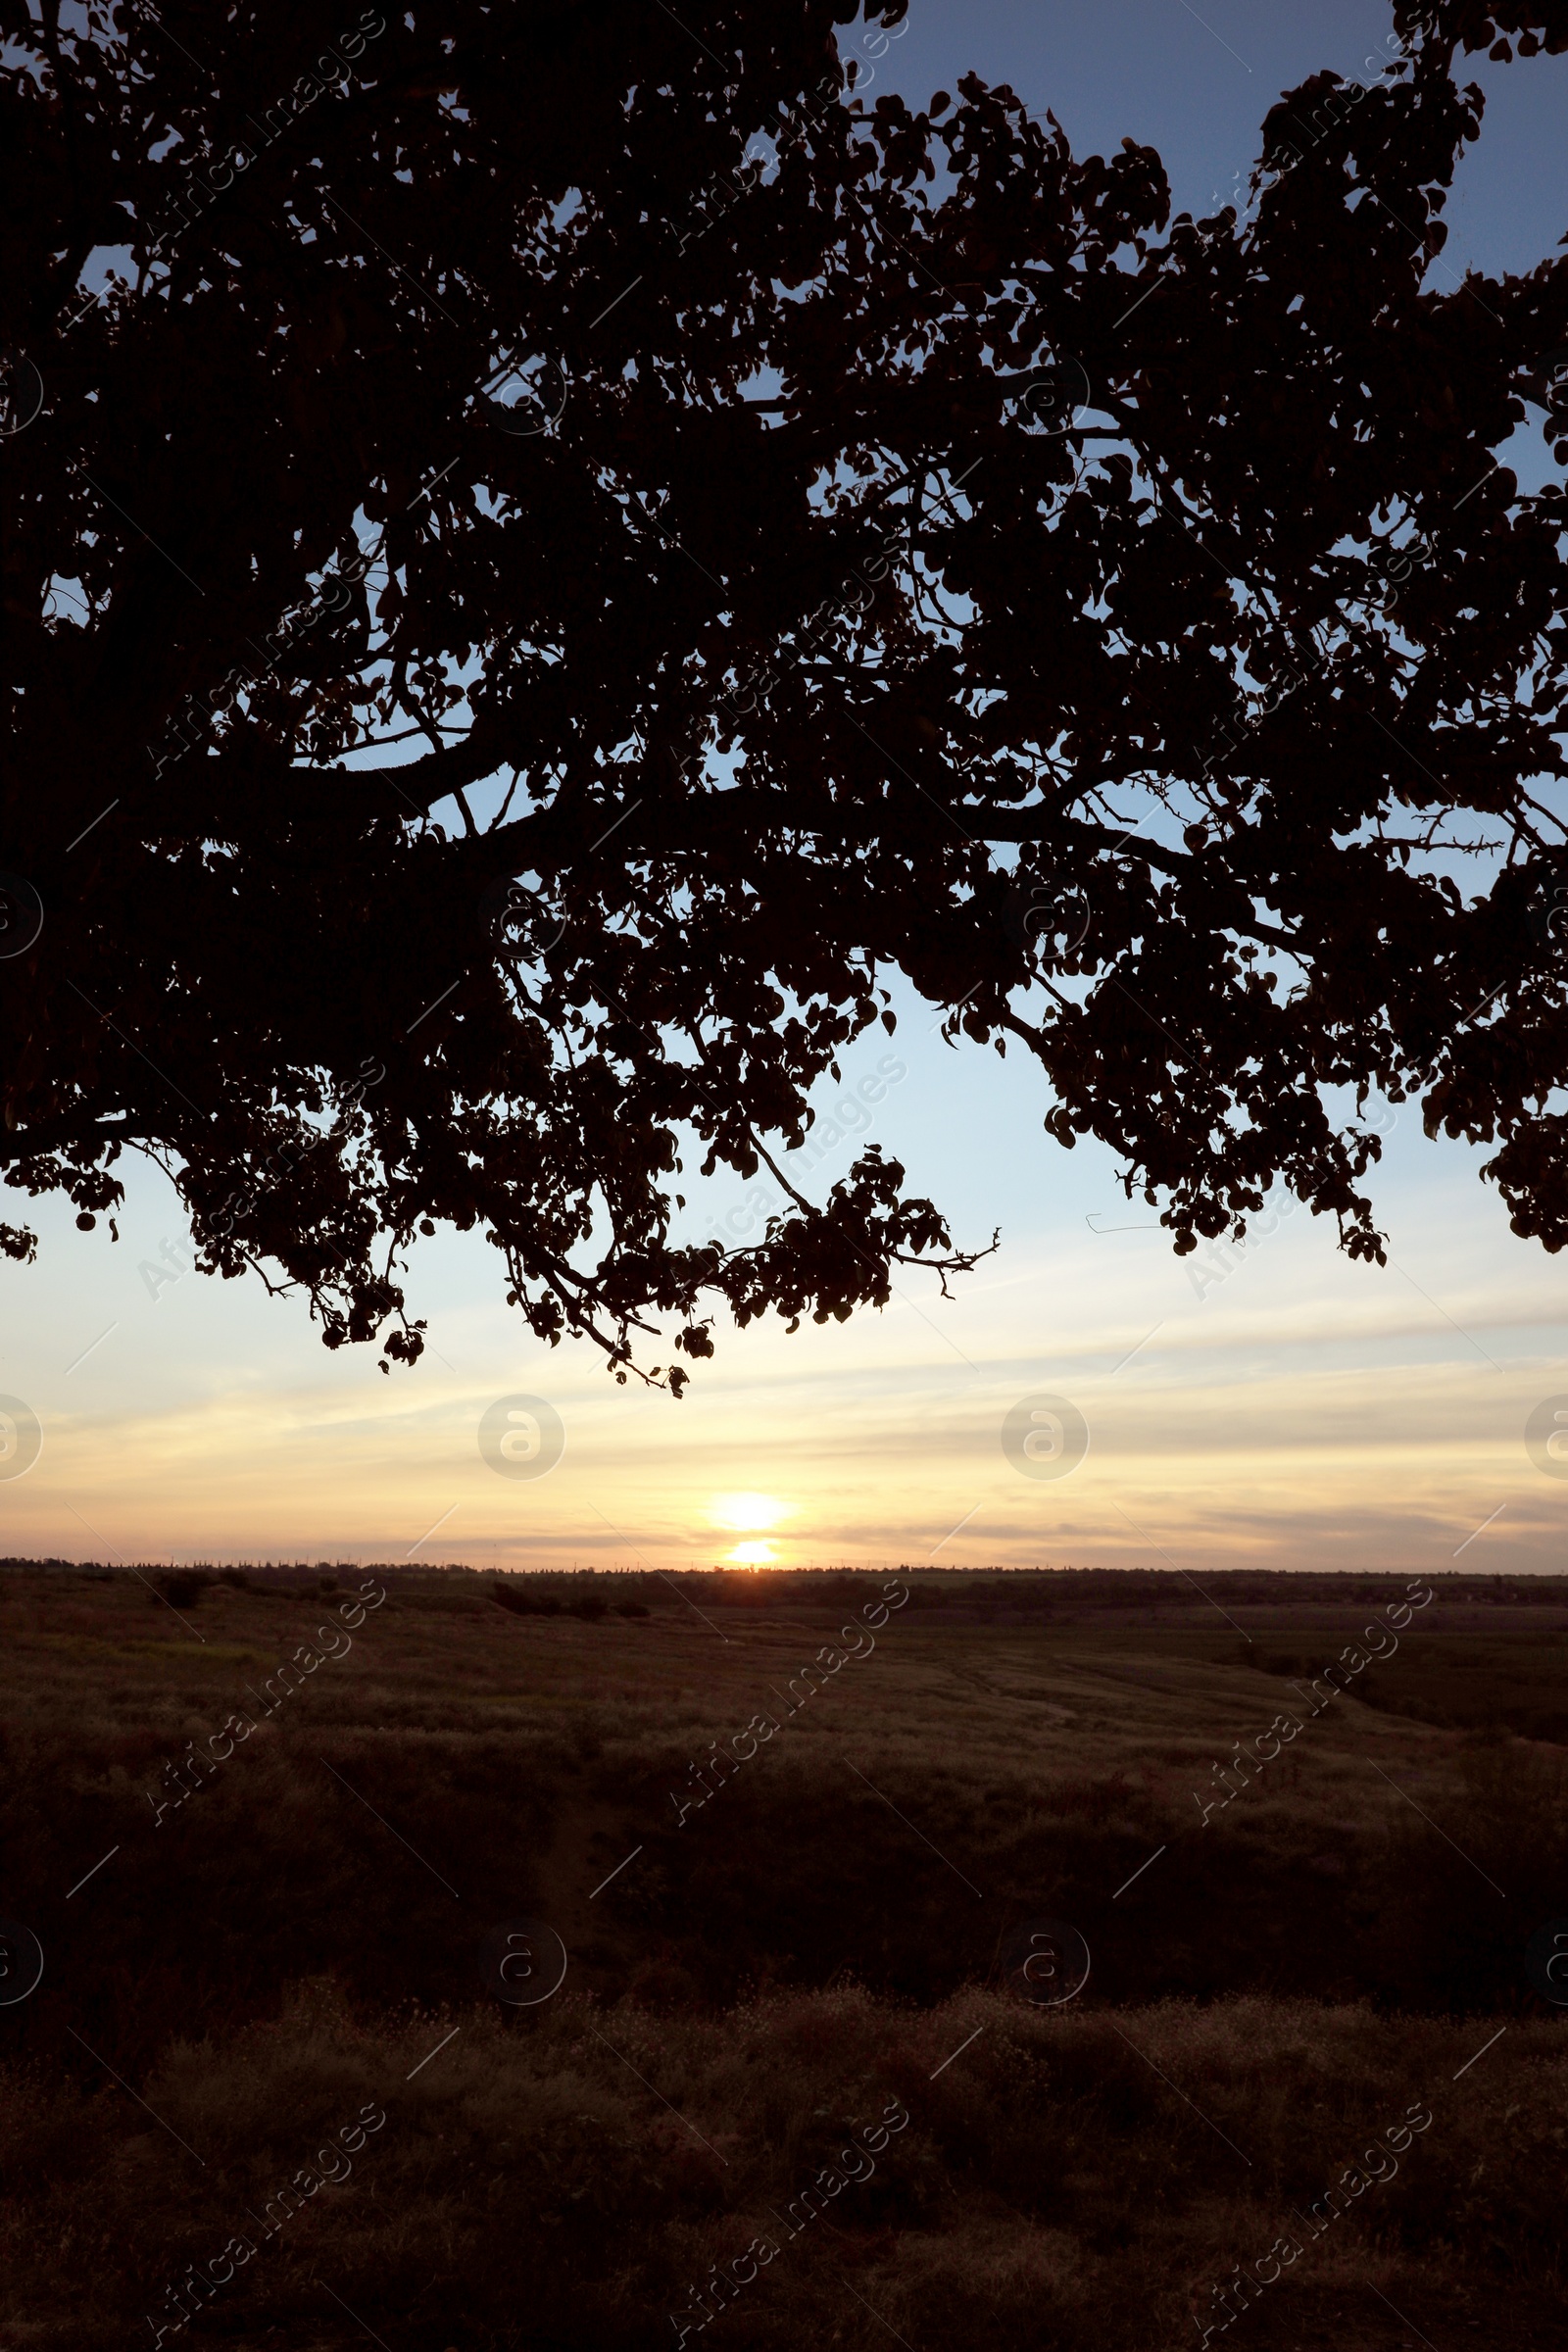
793, 1836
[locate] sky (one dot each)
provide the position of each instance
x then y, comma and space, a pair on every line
1082, 1398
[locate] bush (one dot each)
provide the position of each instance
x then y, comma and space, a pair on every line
183, 1588
511, 1597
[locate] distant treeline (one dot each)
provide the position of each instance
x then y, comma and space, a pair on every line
594, 1592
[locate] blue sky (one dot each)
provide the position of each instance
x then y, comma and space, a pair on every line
1196, 86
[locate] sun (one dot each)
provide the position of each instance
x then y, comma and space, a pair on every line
747, 1514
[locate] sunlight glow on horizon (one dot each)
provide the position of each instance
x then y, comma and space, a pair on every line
748, 1513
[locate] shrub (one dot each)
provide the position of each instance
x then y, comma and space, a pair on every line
511, 1597
183, 1588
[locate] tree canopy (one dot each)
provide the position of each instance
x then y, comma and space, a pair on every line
552, 550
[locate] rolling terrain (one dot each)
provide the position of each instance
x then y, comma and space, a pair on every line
794, 1835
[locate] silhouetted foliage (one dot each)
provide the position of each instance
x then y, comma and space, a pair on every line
568, 550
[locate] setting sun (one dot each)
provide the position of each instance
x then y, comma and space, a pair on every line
746, 1512
751, 1555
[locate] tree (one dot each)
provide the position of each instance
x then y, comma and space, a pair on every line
780, 538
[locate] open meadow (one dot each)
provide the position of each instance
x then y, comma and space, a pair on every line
823, 1859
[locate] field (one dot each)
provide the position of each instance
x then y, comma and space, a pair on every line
797, 2085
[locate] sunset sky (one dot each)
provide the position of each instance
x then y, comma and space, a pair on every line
1281, 1407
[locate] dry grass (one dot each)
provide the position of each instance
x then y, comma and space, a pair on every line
814, 1942
586, 2166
